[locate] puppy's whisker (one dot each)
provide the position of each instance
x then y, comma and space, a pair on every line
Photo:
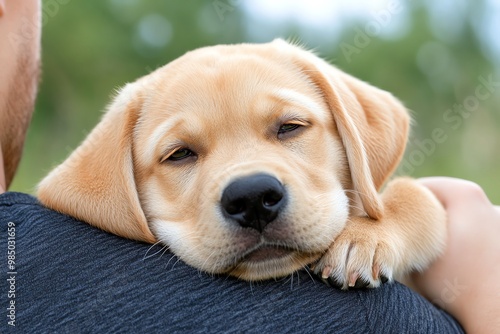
161, 251
209, 257
356, 192
177, 261
289, 278
298, 279
306, 269
171, 258
146, 256
165, 249
360, 208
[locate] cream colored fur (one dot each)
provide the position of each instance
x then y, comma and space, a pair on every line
226, 104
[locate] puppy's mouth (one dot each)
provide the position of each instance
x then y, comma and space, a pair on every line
270, 261
266, 253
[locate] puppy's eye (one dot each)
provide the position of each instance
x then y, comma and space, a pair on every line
181, 154
288, 127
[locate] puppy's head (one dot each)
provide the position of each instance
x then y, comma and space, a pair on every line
243, 159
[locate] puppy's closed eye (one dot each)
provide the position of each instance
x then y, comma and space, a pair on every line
181, 154
290, 129
290, 124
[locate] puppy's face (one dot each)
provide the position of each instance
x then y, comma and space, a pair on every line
239, 165
242, 159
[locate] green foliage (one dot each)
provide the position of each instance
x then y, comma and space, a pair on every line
92, 47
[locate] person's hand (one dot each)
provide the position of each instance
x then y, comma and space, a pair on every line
464, 281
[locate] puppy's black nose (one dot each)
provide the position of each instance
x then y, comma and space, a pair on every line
253, 201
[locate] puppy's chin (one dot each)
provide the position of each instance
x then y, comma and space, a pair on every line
268, 262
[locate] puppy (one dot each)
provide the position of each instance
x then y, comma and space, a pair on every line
255, 161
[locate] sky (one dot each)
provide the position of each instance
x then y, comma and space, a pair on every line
325, 18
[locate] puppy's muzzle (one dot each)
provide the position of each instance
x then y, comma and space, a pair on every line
253, 201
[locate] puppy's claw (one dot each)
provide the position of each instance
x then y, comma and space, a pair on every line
353, 278
375, 271
327, 271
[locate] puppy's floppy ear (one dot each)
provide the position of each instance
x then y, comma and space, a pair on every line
96, 183
372, 123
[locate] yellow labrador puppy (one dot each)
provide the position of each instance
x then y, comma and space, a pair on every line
255, 161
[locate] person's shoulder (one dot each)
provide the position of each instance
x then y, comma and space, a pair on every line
12, 200
26, 212
18, 205
9, 199
63, 258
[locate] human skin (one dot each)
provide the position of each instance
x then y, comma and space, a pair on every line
464, 280
2, 80
19, 58
2, 173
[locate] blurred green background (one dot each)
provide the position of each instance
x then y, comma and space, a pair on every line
441, 58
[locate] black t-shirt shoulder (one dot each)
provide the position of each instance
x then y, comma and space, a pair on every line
72, 277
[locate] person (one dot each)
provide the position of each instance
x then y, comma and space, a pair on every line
60, 274
20, 59
463, 281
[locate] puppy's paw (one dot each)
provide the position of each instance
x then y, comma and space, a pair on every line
361, 256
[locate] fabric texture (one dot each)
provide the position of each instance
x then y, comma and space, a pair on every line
73, 278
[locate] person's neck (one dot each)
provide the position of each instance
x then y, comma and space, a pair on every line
3, 186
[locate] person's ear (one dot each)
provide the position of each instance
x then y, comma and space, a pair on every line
96, 183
